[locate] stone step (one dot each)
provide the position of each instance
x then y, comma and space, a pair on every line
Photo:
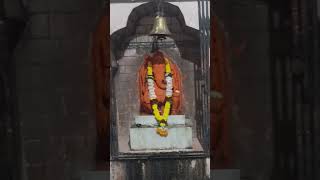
146, 138
149, 120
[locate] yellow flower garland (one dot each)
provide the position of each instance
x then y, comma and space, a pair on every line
167, 106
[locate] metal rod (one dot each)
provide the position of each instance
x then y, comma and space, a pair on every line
203, 112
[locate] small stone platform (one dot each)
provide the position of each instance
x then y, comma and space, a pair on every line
146, 138
143, 135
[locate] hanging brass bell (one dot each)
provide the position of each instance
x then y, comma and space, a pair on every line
160, 27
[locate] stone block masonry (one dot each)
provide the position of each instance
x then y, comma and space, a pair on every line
55, 90
39, 26
251, 124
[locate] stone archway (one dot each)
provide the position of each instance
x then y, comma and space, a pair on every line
140, 22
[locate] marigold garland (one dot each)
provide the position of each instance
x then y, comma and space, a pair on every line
162, 119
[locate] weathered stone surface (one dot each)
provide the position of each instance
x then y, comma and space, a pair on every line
36, 172
146, 138
35, 150
37, 51
30, 103
54, 92
96, 175
74, 52
37, 6
74, 5
117, 170
150, 120
161, 169
130, 53
245, 12
68, 26
143, 30
147, 21
32, 79
251, 123
39, 26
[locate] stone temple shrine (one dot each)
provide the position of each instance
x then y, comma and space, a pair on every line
158, 76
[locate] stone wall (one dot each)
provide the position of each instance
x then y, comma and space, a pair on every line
318, 8
55, 89
119, 13
246, 23
164, 169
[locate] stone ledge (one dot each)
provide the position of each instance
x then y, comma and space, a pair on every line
146, 138
149, 120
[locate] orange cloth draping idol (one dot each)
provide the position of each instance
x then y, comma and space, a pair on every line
220, 108
158, 66
100, 70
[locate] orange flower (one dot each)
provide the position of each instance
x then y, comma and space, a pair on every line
162, 132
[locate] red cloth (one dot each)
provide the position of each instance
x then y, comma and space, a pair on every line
158, 65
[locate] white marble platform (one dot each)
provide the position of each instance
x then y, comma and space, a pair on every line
146, 138
149, 120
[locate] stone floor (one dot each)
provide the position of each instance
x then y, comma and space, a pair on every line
232, 174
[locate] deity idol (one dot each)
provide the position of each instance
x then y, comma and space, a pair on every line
160, 87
